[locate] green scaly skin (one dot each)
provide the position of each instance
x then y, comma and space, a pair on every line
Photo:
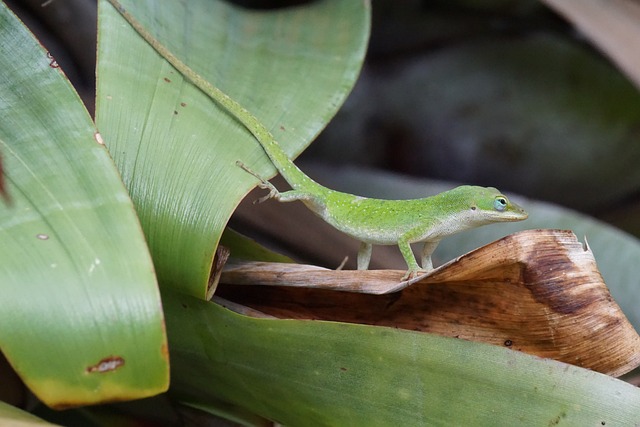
371, 221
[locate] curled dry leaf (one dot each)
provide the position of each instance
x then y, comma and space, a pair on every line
537, 291
374, 282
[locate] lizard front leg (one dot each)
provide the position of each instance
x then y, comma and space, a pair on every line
409, 258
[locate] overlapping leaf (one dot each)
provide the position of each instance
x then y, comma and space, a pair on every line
80, 313
328, 374
176, 148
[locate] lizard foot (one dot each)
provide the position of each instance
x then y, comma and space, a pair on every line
264, 184
273, 192
265, 198
413, 273
247, 170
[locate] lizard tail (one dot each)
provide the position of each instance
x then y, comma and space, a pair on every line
294, 176
297, 179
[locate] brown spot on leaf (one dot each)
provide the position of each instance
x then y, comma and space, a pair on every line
52, 61
166, 79
547, 281
164, 349
108, 364
183, 104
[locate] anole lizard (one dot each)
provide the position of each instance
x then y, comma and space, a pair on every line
371, 221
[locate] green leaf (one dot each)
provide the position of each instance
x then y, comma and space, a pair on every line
12, 416
175, 148
245, 248
324, 373
80, 310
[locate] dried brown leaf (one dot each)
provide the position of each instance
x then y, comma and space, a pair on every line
537, 291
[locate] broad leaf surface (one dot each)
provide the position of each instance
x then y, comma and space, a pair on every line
12, 416
328, 374
80, 313
175, 148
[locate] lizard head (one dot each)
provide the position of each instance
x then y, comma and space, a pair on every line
489, 205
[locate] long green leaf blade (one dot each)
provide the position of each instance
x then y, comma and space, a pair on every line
333, 374
12, 416
80, 313
176, 149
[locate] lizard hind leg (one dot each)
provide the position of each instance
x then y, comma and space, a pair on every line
286, 196
364, 255
264, 184
427, 250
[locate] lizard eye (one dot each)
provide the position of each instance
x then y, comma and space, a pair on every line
500, 203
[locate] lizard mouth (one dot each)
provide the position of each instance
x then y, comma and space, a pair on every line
514, 216
510, 216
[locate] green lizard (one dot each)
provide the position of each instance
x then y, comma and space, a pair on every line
392, 222
371, 221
